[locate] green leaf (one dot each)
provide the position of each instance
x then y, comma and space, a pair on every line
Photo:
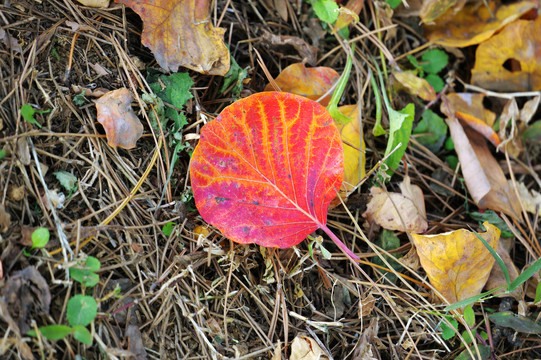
2, 154
434, 60
469, 316
393, 3
473, 299
388, 241
378, 130
67, 180
452, 160
332, 107
326, 10
87, 275
27, 112
525, 275
401, 124
435, 129
80, 99
538, 293
436, 82
516, 322
81, 310
326, 253
82, 334
235, 75
177, 89
484, 351
40, 238
467, 338
167, 229
494, 219
448, 332
55, 332
533, 133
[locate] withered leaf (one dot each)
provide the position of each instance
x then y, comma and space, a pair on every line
121, 125
519, 41
180, 33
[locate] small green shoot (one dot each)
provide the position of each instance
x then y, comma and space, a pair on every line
27, 112
2, 154
80, 99
86, 275
235, 76
432, 62
167, 229
378, 130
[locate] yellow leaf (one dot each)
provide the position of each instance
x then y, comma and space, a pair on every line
354, 147
475, 23
312, 83
415, 85
457, 263
180, 33
520, 42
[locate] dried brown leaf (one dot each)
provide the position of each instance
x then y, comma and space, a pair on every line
121, 125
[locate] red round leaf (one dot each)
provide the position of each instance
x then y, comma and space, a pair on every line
266, 169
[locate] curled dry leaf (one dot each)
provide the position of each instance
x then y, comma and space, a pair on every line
306, 348
511, 142
457, 263
307, 52
469, 109
475, 23
121, 125
348, 14
520, 42
180, 33
402, 212
483, 175
312, 83
266, 169
415, 85
531, 199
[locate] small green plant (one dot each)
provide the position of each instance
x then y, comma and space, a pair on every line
80, 98
2, 154
167, 229
28, 112
235, 76
81, 309
318, 242
67, 180
40, 238
432, 62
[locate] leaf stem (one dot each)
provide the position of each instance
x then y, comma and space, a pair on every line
338, 242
